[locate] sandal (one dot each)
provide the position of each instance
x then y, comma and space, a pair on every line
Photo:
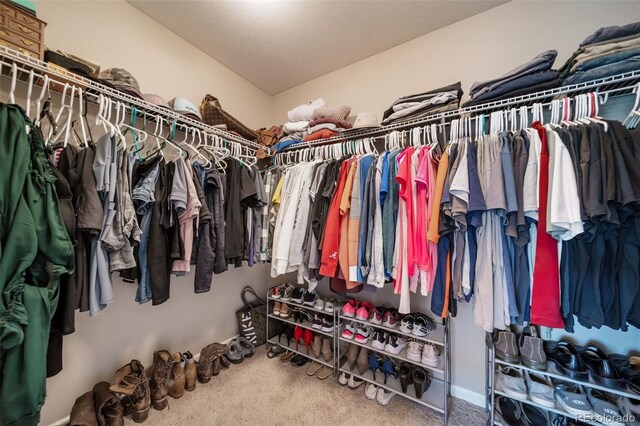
236, 352
313, 368
287, 356
248, 348
324, 372
275, 351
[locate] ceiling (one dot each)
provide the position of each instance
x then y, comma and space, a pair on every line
278, 44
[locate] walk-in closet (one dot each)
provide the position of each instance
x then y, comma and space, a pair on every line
281, 212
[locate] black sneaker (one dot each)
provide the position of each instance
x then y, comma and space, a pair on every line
406, 324
423, 325
317, 322
327, 325
380, 339
298, 295
309, 298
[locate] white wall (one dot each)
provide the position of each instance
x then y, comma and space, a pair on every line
478, 48
115, 33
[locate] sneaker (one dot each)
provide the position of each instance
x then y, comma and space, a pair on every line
309, 298
407, 323
384, 396
390, 318
572, 398
298, 295
276, 308
606, 412
285, 311
422, 326
540, 389
349, 308
375, 317
379, 340
317, 322
354, 382
511, 382
343, 379
396, 345
370, 391
327, 325
288, 293
430, 356
276, 292
630, 408
349, 331
318, 304
329, 305
362, 313
363, 333
414, 351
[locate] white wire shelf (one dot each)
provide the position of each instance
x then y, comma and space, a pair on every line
304, 324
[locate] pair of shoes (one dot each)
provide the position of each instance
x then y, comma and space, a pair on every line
300, 315
388, 342
287, 333
303, 334
381, 395
212, 358
384, 364
176, 382
324, 305
629, 368
358, 355
365, 311
427, 353
536, 387
322, 323
529, 348
131, 383
321, 347
517, 413
275, 350
298, 295
417, 324
319, 370
286, 292
579, 401
282, 310
239, 349
361, 333
278, 291
349, 380
299, 360
417, 376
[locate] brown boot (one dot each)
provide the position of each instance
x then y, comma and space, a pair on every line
224, 361
189, 371
177, 379
327, 352
83, 412
131, 382
316, 347
217, 366
108, 406
158, 382
205, 363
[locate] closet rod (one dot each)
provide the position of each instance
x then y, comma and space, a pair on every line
624, 81
26, 64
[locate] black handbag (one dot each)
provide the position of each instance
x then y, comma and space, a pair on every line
252, 318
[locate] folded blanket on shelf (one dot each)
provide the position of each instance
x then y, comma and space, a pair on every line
600, 54
320, 134
410, 109
524, 82
551, 84
338, 112
613, 32
456, 88
329, 126
304, 112
340, 123
295, 126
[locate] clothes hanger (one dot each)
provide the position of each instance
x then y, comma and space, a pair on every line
14, 78
63, 107
83, 124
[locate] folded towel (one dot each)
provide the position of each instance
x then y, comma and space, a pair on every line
295, 126
340, 123
337, 112
320, 134
304, 112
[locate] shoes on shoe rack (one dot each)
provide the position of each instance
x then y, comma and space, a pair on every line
511, 382
603, 407
395, 345
285, 311
343, 378
405, 374
506, 346
363, 360
406, 324
363, 333
329, 305
158, 381
352, 355
350, 307
354, 382
275, 351
423, 325
566, 359
414, 350
276, 308
317, 322
430, 355
299, 360
363, 312
376, 314
276, 292
630, 407
327, 350
540, 389
383, 396
380, 339
298, 295
131, 383
421, 381
601, 369
318, 304
309, 298
370, 391
189, 371
176, 380
531, 348
316, 346
287, 294
534, 416
510, 411
349, 330
629, 368
572, 398
391, 318
327, 325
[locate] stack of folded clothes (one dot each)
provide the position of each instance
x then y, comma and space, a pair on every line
423, 104
296, 128
607, 52
534, 76
327, 121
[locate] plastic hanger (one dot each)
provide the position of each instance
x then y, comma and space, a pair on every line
14, 78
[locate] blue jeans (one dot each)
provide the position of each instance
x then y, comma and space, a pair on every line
608, 59
620, 67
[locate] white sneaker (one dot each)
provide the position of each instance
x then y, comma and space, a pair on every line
349, 331
414, 351
396, 345
383, 397
343, 379
354, 382
430, 356
363, 333
370, 391
318, 304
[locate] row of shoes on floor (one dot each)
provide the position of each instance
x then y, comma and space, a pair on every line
317, 369
319, 321
408, 374
136, 389
299, 295
418, 324
582, 363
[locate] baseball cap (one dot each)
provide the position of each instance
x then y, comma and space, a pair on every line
154, 99
365, 120
122, 80
184, 107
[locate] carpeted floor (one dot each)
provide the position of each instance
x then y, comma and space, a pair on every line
268, 392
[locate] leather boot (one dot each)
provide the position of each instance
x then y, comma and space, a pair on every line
189, 371
217, 366
224, 361
204, 369
352, 355
83, 412
176, 379
158, 382
108, 406
363, 360
131, 382
327, 353
316, 347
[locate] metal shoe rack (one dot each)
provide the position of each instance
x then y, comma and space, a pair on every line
436, 397
291, 346
491, 392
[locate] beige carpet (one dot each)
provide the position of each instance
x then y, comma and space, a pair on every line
268, 392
